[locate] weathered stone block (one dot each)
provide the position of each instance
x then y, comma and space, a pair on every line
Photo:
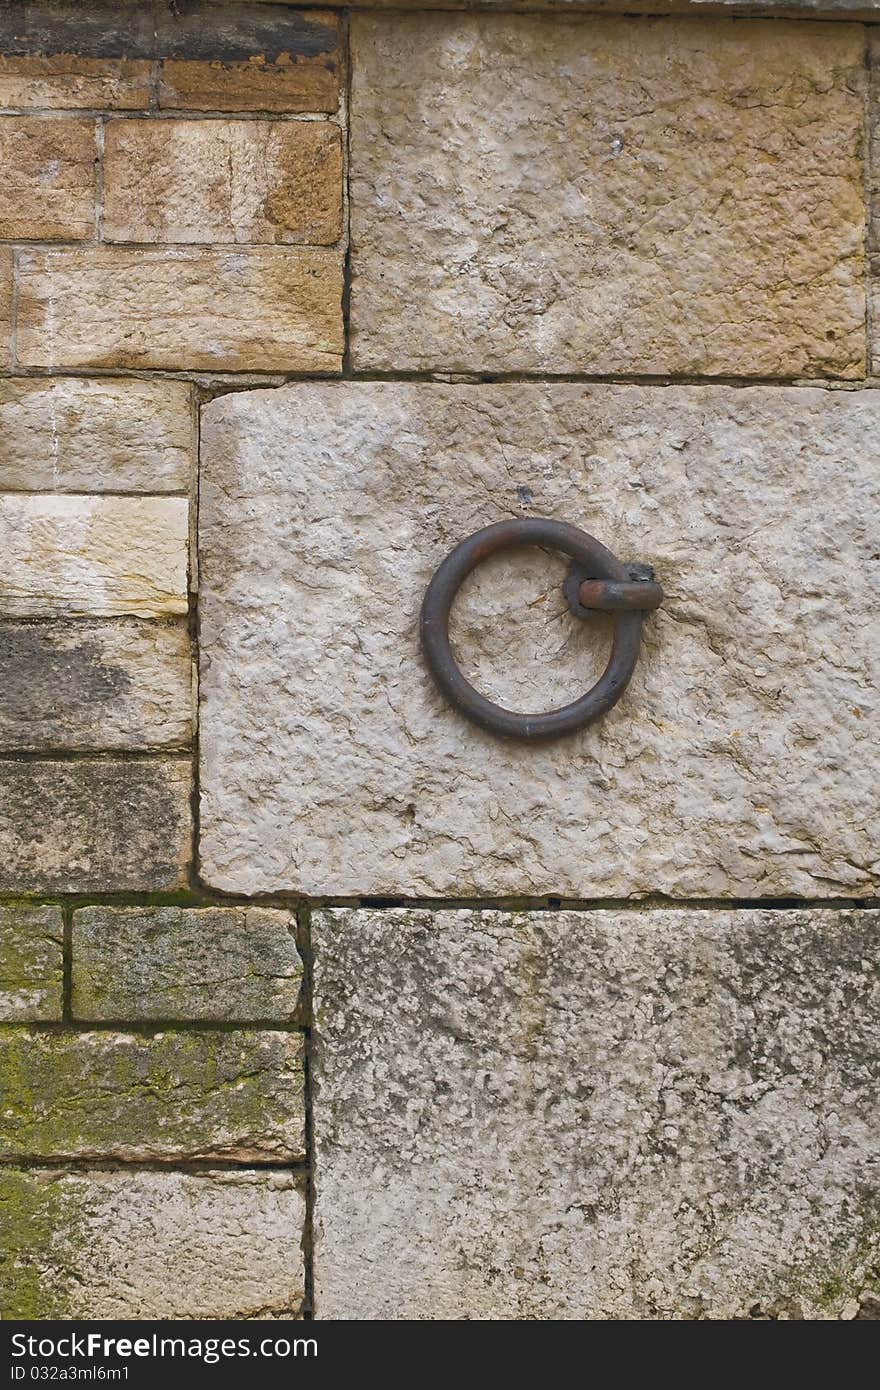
221, 1244
253, 309
622, 1114
740, 762
94, 826
78, 685
171, 1095
92, 556
6, 259
874, 193
607, 195
223, 963
223, 181
31, 963
48, 178
66, 82
73, 435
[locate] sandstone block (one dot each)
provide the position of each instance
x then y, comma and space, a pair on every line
253, 309
94, 826
65, 82
607, 195
92, 556
77, 685
221, 1244
6, 258
740, 762
874, 193
72, 435
170, 1095
629, 1115
48, 179
215, 964
31, 963
223, 181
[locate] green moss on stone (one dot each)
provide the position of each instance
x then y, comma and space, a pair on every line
38, 1222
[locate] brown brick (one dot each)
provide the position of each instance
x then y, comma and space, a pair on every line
66, 82
5, 304
48, 190
254, 309
223, 181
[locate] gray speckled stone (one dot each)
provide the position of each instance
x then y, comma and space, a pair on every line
741, 761
222, 964
31, 963
635, 1114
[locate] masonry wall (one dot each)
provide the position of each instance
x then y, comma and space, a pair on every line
362, 1012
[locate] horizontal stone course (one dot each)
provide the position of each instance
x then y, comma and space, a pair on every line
218, 964
116, 1244
68, 82
187, 1095
48, 177
31, 963
95, 826
635, 1114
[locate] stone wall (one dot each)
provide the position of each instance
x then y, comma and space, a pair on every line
361, 1011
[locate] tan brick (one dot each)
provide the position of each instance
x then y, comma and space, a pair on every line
67, 82
72, 435
48, 189
92, 556
223, 181
254, 309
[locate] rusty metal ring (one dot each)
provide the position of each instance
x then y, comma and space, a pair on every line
628, 591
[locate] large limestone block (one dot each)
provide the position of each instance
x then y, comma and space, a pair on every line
101, 435
252, 182
94, 826
631, 1114
607, 195
741, 761
248, 309
76, 685
219, 1245
31, 963
219, 964
185, 1095
92, 556
48, 178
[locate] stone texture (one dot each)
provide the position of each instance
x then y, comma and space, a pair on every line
101, 435
74, 686
631, 1114
150, 1245
607, 195
217, 964
91, 826
95, 556
6, 260
874, 194
253, 309
180, 1095
740, 762
31, 963
48, 179
223, 181
67, 82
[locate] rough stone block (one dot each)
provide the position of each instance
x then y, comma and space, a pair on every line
874, 193
252, 309
607, 195
48, 179
31, 963
74, 435
94, 826
180, 1095
79, 685
6, 259
217, 964
67, 82
92, 556
565, 1115
221, 1245
740, 762
223, 181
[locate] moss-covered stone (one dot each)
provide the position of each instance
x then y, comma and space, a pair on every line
31, 963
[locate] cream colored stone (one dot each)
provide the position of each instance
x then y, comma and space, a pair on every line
223, 181
741, 761
142, 1245
95, 556
48, 189
607, 195
6, 263
252, 309
102, 435
565, 1115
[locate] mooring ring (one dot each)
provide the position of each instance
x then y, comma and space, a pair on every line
623, 595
